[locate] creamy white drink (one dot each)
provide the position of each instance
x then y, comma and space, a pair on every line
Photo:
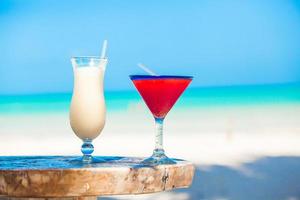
87, 113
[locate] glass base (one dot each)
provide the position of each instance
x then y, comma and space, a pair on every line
158, 158
92, 159
83, 160
87, 149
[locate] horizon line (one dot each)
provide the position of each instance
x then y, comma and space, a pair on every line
130, 90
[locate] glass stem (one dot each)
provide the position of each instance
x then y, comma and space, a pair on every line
159, 135
87, 149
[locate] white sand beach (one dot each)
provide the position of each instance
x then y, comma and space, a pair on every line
231, 137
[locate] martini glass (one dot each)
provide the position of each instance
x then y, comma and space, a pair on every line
160, 93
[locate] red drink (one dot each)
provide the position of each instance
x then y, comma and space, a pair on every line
160, 93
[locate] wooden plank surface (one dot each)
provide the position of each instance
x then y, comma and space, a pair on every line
63, 176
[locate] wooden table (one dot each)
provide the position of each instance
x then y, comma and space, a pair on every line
60, 177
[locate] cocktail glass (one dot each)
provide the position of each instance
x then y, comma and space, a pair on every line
87, 112
160, 93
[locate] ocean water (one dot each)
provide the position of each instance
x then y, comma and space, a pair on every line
192, 98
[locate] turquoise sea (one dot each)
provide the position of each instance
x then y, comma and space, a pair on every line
192, 97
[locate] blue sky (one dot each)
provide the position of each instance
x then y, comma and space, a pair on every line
219, 42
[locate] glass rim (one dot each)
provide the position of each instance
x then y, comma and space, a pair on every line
88, 57
135, 77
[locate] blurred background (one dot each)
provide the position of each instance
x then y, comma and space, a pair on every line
238, 121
